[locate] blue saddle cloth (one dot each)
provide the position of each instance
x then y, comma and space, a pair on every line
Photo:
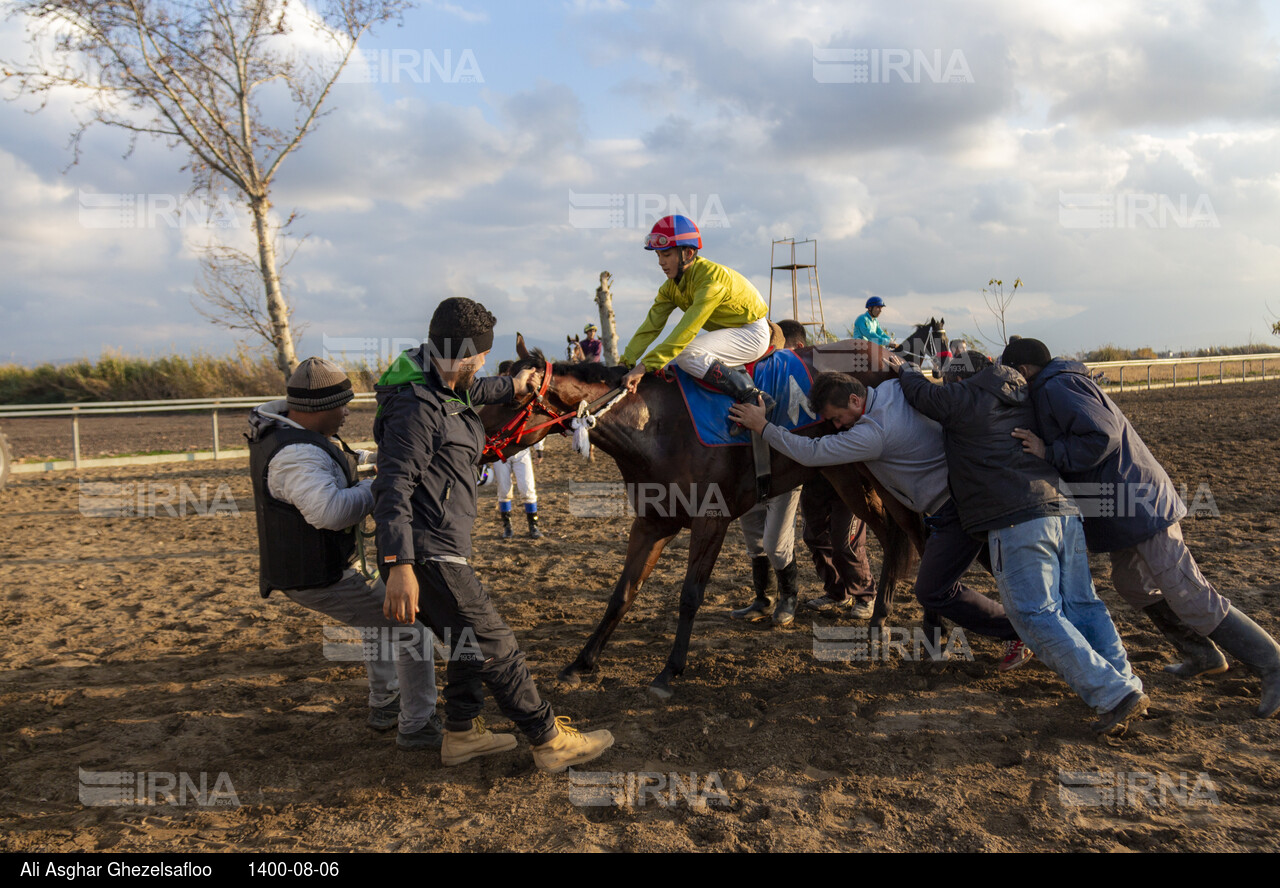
781, 374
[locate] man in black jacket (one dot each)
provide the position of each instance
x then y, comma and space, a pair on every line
429, 443
1034, 535
1133, 512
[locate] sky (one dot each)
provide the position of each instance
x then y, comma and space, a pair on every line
1121, 158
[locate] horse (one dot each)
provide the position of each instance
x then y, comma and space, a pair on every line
651, 437
927, 342
573, 352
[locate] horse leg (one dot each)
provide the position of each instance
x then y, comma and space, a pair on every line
706, 538
645, 545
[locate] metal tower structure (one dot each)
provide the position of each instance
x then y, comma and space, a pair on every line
814, 317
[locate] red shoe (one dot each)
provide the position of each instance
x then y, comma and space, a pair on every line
1015, 654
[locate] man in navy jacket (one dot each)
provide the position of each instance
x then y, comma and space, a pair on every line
1084, 436
429, 442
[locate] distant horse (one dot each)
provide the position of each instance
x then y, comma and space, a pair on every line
573, 353
652, 439
927, 342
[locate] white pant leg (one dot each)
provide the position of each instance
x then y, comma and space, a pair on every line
502, 478
734, 346
523, 470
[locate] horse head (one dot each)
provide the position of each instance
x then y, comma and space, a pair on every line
554, 398
927, 342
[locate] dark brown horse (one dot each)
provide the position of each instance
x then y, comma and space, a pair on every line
650, 436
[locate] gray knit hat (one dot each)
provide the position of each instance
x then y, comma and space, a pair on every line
318, 385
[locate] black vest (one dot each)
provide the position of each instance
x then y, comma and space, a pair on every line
295, 555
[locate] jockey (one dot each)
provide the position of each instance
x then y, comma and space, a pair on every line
724, 324
592, 347
868, 328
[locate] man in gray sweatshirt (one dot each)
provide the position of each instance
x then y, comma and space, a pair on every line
904, 451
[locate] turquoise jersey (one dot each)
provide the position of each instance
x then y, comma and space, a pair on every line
868, 328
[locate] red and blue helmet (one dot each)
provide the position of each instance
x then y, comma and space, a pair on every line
673, 231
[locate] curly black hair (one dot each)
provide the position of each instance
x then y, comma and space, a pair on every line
459, 318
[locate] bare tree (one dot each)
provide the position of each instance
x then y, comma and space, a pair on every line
998, 302
608, 325
196, 72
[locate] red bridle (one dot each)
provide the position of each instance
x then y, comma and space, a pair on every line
518, 426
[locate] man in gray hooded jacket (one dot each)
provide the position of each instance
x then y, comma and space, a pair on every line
1132, 512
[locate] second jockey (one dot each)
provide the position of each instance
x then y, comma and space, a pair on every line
724, 324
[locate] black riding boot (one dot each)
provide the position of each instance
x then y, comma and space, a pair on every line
788, 591
762, 580
737, 384
1249, 643
533, 525
1200, 655
507, 532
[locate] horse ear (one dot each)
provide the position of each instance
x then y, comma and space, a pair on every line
520, 349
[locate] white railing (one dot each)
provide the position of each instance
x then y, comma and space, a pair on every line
1255, 364
104, 408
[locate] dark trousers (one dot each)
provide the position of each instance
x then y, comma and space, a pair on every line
837, 541
948, 552
482, 652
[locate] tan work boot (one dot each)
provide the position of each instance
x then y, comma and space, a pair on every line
570, 747
463, 746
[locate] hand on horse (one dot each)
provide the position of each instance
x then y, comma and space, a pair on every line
1031, 442
632, 380
401, 603
749, 416
892, 363
524, 381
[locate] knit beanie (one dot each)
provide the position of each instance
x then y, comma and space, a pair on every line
318, 385
1025, 351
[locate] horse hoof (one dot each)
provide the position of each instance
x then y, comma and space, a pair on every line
572, 679
662, 692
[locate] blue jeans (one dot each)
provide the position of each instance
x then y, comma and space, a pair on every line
1042, 570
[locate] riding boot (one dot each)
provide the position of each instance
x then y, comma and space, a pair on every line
761, 579
1200, 655
533, 525
507, 532
788, 592
1249, 643
737, 384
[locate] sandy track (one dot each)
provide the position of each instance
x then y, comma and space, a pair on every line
136, 644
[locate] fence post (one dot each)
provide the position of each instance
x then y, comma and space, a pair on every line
1220, 376
1122, 379
75, 436
215, 431
1148, 377
1197, 374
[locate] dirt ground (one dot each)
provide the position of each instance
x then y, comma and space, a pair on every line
136, 644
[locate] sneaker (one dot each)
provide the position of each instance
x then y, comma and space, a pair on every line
429, 736
570, 747
827, 602
1015, 654
462, 746
384, 718
1115, 722
862, 608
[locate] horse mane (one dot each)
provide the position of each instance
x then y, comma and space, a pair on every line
589, 372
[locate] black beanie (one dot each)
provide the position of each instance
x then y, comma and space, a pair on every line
460, 328
1025, 351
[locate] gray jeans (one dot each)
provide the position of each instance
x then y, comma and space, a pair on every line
1162, 567
770, 528
399, 659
